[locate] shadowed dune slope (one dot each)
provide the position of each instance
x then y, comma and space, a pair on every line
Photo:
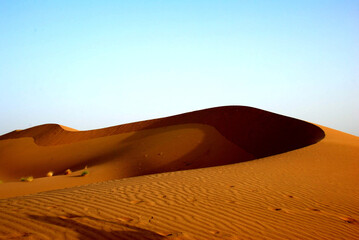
258, 132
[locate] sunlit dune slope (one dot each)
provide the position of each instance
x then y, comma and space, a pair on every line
124, 155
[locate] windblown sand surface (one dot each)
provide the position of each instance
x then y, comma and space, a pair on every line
221, 173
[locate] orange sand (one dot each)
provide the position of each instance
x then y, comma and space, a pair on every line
308, 190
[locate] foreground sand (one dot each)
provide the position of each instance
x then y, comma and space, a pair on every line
307, 193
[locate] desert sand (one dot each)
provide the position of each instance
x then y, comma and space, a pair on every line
222, 173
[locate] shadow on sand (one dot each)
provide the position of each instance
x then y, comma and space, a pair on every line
82, 226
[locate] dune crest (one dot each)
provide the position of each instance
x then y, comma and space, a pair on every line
68, 128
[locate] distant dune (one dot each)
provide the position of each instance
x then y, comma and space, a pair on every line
222, 173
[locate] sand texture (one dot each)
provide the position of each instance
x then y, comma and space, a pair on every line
222, 173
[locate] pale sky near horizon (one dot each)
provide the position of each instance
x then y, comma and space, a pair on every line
94, 64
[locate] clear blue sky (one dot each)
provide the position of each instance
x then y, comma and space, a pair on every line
93, 64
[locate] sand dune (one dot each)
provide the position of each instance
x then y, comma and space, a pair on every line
198, 139
260, 132
307, 191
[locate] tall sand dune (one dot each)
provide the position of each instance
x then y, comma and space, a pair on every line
197, 139
222, 173
257, 131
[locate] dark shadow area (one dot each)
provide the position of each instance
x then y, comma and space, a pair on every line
86, 232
